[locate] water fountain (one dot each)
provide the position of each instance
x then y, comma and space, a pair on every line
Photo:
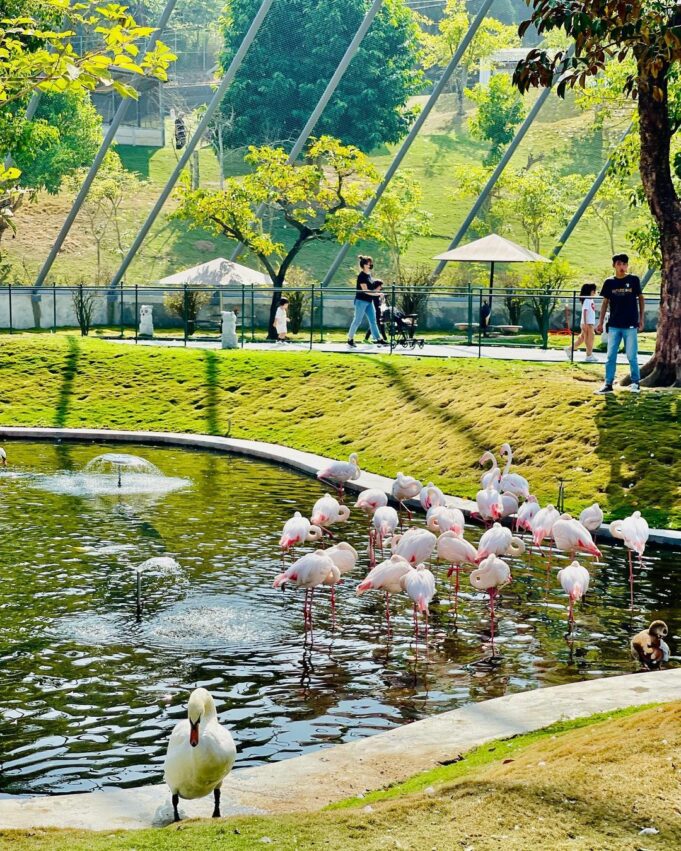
161, 565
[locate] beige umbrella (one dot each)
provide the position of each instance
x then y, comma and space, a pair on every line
492, 249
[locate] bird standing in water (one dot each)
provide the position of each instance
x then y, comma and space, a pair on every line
649, 646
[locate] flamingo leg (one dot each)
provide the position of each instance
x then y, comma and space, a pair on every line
492, 593
387, 609
426, 617
372, 547
631, 580
333, 605
416, 634
571, 616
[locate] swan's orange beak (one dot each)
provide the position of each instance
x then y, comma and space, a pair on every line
193, 733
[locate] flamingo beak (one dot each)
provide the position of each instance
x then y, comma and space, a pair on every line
194, 732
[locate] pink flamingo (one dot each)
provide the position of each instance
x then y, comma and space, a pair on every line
344, 556
444, 518
592, 517
308, 572
327, 511
526, 513
431, 496
512, 482
405, 487
492, 575
491, 476
509, 502
298, 530
570, 535
542, 524
574, 580
384, 523
371, 499
415, 546
455, 551
386, 577
490, 506
499, 541
634, 531
419, 586
340, 472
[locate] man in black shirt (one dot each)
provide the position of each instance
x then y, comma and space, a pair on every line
622, 293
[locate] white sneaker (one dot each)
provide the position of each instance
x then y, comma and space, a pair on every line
634, 388
568, 353
591, 359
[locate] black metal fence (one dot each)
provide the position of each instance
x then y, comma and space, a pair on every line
412, 317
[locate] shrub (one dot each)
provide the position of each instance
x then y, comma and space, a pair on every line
547, 283
187, 304
298, 299
83, 305
414, 291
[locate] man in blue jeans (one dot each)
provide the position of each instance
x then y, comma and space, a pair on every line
622, 293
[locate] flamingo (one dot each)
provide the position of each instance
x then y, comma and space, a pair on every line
574, 580
526, 512
371, 499
406, 487
386, 577
491, 476
455, 551
592, 517
341, 472
444, 518
499, 541
344, 556
492, 574
308, 572
649, 646
327, 511
512, 482
634, 531
570, 535
542, 524
3, 457
384, 524
297, 530
419, 586
200, 753
509, 502
415, 546
490, 506
431, 496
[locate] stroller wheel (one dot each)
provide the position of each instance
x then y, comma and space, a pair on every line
421, 343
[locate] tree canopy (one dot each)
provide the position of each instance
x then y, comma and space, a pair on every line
294, 56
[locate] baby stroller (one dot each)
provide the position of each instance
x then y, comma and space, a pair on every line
401, 326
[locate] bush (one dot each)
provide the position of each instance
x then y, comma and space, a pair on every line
84, 305
414, 291
187, 305
298, 299
547, 282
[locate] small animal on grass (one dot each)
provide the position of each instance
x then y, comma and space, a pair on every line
200, 753
649, 647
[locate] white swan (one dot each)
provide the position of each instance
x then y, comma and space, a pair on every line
200, 753
3, 457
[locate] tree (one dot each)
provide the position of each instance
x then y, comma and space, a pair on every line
547, 282
400, 218
500, 110
612, 205
320, 198
295, 54
453, 26
647, 31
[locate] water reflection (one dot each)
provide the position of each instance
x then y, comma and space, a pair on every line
88, 695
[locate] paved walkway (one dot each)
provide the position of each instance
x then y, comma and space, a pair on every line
310, 782
453, 350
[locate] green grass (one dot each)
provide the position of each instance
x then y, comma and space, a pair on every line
428, 417
593, 783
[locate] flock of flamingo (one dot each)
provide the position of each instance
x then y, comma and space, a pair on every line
504, 495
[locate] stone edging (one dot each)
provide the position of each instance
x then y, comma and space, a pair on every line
304, 462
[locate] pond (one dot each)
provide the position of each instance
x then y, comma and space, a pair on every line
89, 694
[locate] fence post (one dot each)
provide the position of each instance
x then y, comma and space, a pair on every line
311, 314
321, 315
122, 317
243, 312
54, 308
572, 327
185, 307
392, 318
136, 311
252, 315
469, 332
9, 291
480, 324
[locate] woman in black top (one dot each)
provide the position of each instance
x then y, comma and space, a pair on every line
364, 302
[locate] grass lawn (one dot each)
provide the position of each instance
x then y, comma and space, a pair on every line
586, 784
428, 417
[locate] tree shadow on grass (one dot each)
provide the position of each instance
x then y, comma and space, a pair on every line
68, 377
638, 437
211, 369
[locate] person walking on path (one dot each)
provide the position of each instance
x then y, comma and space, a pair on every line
364, 302
587, 324
379, 306
622, 294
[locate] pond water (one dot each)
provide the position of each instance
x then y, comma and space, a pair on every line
88, 695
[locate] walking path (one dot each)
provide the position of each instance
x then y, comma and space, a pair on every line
453, 350
310, 782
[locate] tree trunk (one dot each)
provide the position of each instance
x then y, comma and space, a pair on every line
274, 304
664, 368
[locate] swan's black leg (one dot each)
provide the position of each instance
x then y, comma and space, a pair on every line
176, 801
216, 811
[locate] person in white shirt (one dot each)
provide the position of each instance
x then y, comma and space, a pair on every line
587, 324
281, 319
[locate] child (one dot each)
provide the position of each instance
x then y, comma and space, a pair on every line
587, 324
280, 320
